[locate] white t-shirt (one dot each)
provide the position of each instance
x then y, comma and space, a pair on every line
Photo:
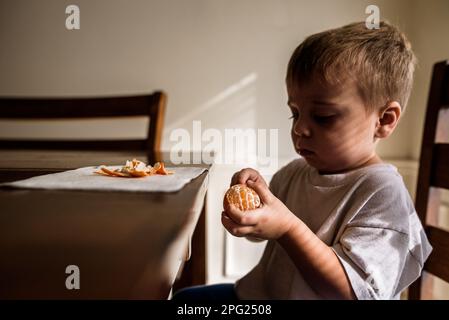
365, 215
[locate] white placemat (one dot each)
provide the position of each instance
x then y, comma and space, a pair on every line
86, 179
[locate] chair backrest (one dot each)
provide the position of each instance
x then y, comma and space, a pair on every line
433, 174
152, 106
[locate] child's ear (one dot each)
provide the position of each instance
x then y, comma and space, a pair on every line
388, 119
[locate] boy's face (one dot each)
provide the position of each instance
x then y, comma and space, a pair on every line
331, 127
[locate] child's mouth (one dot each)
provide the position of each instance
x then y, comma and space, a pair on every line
305, 152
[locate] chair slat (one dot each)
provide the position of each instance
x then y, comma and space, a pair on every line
438, 264
13, 108
445, 94
74, 144
151, 106
440, 166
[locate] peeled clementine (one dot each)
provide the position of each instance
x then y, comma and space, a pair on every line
242, 196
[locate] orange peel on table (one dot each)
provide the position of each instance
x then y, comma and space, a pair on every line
135, 169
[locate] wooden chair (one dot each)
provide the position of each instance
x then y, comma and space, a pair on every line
152, 105
434, 174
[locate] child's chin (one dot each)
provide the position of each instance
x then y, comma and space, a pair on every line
310, 158
315, 163
311, 161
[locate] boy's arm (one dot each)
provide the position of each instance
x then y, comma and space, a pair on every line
317, 262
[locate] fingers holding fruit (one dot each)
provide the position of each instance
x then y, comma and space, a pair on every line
255, 211
262, 190
244, 175
234, 228
242, 217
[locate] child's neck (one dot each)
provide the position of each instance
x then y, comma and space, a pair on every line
374, 159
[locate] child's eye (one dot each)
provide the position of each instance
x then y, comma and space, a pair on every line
324, 119
294, 116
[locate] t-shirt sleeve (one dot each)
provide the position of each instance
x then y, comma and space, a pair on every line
280, 180
275, 181
383, 247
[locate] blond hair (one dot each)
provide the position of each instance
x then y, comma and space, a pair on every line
381, 62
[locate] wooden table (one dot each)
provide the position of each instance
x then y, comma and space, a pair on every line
126, 245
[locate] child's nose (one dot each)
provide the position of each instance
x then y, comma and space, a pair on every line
301, 127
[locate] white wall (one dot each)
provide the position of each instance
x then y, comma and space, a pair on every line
225, 58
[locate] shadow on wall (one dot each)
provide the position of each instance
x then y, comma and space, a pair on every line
234, 107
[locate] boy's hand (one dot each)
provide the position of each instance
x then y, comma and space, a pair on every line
272, 220
245, 175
